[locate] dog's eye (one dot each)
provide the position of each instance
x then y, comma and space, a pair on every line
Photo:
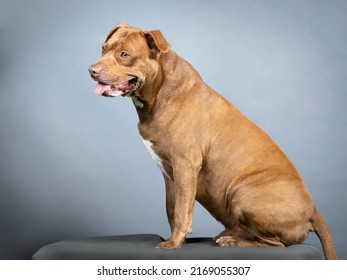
103, 48
124, 55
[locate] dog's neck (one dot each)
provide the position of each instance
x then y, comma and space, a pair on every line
145, 98
174, 72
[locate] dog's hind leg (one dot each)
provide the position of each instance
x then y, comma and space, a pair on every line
226, 232
240, 238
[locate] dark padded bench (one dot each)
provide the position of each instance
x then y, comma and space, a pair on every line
142, 247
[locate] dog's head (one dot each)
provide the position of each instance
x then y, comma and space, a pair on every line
130, 57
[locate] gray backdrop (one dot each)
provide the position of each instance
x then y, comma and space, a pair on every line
72, 164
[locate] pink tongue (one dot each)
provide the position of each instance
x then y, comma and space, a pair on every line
101, 88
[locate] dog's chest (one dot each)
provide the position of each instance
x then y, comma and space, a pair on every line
155, 157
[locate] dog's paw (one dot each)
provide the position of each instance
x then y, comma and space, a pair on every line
226, 241
170, 244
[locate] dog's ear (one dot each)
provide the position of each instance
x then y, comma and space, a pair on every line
156, 41
114, 30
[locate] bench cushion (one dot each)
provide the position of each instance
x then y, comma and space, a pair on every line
142, 247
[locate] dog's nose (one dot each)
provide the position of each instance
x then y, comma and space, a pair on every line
95, 70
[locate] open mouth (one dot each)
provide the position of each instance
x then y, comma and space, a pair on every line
112, 90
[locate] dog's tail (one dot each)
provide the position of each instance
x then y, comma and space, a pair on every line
321, 229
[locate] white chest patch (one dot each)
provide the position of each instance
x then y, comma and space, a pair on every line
155, 157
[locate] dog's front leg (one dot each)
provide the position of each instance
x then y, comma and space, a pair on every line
184, 193
170, 201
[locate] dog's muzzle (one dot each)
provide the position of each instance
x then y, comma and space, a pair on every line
112, 90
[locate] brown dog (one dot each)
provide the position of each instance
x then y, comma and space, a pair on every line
206, 148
